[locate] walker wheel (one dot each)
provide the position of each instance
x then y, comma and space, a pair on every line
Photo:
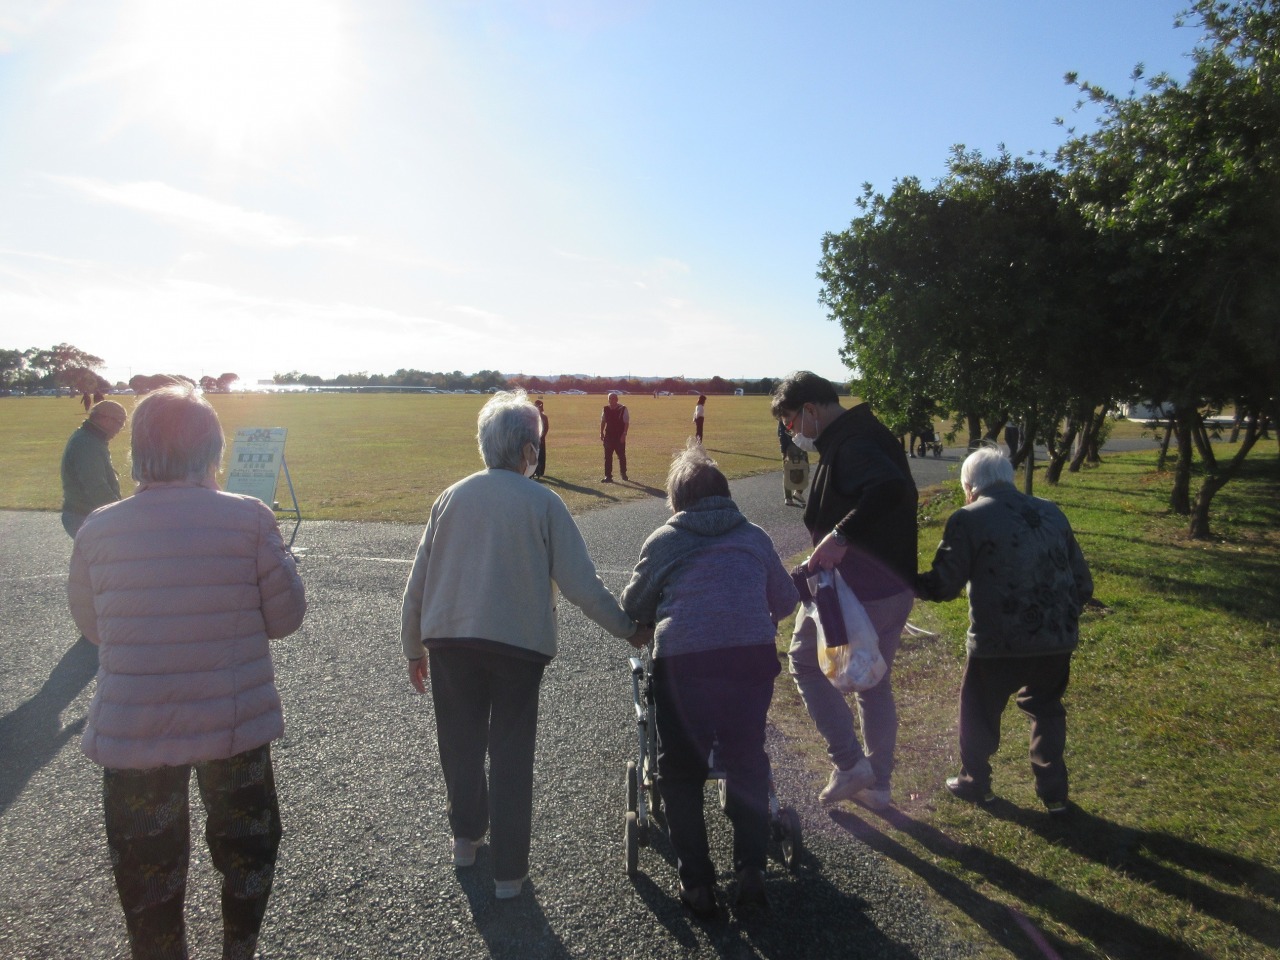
631, 840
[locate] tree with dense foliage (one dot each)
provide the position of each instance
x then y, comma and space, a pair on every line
1183, 183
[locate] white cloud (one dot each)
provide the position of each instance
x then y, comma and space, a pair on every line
201, 213
21, 18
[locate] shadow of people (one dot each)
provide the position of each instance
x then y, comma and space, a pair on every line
32, 734
1172, 865
515, 929
1112, 932
811, 914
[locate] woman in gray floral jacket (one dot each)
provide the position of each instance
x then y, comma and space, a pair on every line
1028, 582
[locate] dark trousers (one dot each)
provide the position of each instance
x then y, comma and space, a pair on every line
1039, 683
487, 703
542, 459
147, 817
612, 446
697, 425
694, 710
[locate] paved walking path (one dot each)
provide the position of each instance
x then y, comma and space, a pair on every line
364, 869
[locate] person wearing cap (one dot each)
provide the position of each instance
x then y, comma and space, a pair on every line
89, 481
615, 421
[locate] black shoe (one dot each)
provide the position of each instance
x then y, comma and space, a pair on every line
968, 790
624, 477
752, 894
700, 901
1057, 809
607, 480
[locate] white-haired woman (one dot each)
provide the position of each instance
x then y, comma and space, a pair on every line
1027, 581
479, 620
182, 587
715, 588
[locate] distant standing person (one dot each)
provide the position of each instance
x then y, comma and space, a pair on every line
698, 416
1027, 583
615, 421
541, 468
183, 588
89, 481
1012, 437
861, 516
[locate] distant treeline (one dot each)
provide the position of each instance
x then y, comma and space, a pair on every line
487, 380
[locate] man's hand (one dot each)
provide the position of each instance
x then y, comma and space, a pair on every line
828, 554
642, 637
418, 673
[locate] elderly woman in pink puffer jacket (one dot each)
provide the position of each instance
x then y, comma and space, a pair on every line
182, 587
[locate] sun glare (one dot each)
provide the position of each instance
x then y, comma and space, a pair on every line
245, 76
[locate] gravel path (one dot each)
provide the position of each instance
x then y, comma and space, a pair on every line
364, 868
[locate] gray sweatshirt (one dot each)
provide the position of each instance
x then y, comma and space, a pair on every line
709, 579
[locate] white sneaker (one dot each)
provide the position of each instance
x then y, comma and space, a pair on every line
508, 889
464, 851
875, 799
845, 784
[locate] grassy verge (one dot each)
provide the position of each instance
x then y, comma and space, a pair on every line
1173, 711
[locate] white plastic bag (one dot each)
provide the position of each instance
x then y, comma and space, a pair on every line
857, 665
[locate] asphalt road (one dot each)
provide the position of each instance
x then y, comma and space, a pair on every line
365, 868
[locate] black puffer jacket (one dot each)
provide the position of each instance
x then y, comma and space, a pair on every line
863, 488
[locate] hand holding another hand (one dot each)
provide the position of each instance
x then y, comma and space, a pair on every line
642, 637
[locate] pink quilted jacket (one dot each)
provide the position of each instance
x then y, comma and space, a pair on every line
182, 587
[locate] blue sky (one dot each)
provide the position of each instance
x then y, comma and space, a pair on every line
540, 186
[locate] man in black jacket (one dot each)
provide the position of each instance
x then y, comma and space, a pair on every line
861, 516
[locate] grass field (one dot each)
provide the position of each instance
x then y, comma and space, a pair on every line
387, 456
1174, 705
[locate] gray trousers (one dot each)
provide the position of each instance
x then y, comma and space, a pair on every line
830, 710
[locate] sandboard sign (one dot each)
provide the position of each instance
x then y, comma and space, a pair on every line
257, 457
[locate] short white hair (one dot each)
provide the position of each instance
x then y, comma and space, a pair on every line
176, 436
984, 468
506, 423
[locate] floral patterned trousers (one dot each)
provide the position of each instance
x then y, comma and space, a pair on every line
148, 833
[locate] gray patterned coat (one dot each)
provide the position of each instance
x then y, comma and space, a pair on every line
1027, 578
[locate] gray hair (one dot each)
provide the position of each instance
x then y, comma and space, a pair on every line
176, 436
984, 468
693, 476
506, 423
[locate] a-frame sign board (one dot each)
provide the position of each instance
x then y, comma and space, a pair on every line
257, 458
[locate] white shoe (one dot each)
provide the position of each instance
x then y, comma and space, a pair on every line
508, 889
875, 799
845, 784
464, 851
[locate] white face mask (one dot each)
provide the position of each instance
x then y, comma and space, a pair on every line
807, 444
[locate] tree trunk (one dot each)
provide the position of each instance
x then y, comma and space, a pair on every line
1198, 529
1058, 456
1098, 421
1164, 445
1031, 423
975, 430
1180, 495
